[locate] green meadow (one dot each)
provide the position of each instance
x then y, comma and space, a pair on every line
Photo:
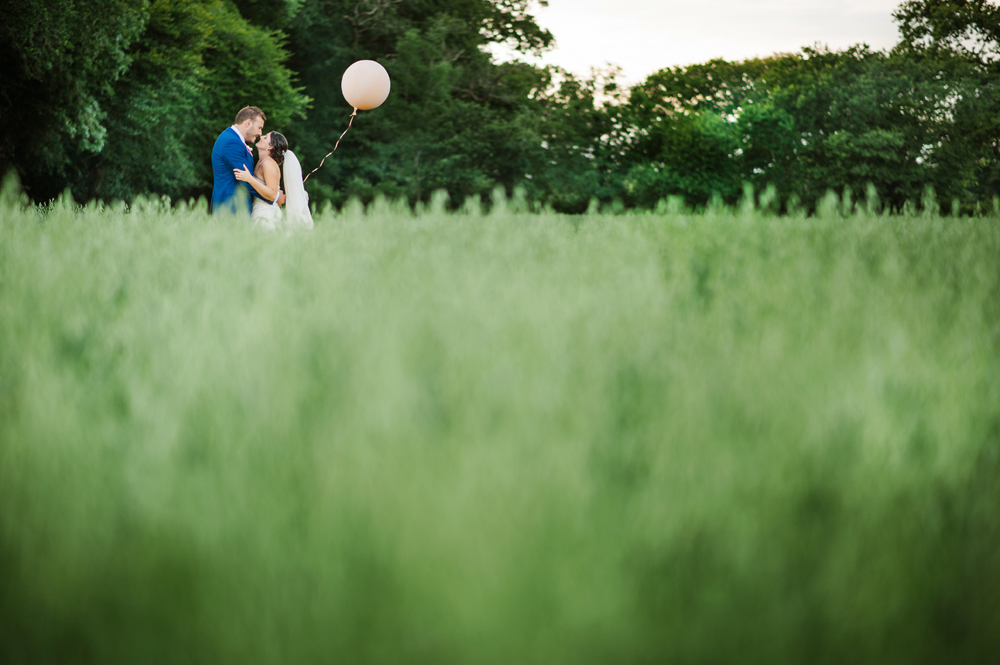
436, 437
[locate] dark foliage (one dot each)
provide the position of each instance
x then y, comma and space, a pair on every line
118, 99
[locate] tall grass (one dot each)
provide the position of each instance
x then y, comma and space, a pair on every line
513, 438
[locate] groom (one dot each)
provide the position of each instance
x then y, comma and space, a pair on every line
231, 152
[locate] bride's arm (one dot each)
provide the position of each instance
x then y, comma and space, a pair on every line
268, 189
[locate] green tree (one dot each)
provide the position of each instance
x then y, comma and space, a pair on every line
970, 28
455, 119
958, 42
197, 64
816, 120
61, 60
144, 114
578, 123
692, 156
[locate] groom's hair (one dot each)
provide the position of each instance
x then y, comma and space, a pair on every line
249, 113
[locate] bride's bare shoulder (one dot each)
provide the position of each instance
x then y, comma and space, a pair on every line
269, 165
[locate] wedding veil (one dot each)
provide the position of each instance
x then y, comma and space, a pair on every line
297, 213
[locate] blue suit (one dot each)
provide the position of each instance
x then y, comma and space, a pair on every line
229, 194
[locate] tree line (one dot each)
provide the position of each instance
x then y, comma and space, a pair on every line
118, 98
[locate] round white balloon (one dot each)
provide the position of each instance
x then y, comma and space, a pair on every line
365, 85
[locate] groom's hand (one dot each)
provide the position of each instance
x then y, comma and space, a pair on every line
281, 198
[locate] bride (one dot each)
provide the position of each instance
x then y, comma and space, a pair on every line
266, 179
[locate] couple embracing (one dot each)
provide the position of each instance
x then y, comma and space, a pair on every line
241, 185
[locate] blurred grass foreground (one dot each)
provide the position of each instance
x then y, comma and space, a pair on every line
512, 438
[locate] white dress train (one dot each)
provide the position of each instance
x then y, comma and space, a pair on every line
297, 215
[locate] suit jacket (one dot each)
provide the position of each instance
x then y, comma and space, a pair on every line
229, 194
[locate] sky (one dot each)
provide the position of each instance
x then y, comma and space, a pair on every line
643, 36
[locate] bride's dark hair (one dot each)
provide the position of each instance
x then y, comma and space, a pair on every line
279, 144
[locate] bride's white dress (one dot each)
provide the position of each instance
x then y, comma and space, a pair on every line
267, 216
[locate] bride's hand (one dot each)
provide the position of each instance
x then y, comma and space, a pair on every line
244, 175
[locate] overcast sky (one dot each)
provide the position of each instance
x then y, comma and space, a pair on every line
642, 36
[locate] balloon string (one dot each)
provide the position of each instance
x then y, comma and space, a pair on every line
351, 122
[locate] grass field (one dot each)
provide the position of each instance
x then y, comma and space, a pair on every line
513, 438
